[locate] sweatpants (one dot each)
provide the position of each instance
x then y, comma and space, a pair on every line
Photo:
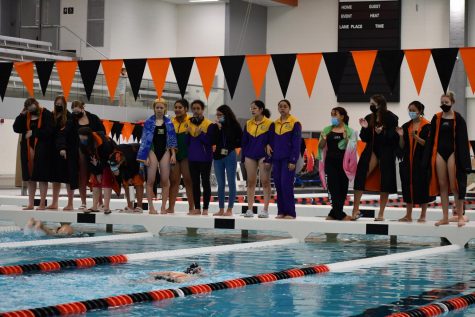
201, 170
284, 184
337, 183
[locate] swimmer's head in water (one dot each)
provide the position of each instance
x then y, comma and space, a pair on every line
194, 268
65, 230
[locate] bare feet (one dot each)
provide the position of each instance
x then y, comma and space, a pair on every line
205, 212
405, 219
195, 212
355, 216
442, 222
41, 208
379, 219
170, 211
279, 217
28, 208
68, 208
152, 211
461, 222
163, 212
228, 213
329, 218
52, 207
421, 220
219, 213
288, 217
347, 218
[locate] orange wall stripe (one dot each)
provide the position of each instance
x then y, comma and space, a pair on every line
364, 62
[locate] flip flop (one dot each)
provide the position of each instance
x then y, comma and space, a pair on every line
379, 219
358, 216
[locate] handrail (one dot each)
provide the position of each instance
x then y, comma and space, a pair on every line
79, 38
33, 54
26, 41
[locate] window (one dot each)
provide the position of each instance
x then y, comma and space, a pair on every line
95, 22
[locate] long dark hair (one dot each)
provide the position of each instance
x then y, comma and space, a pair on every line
342, 112
230, 117
419, 105
60, 118
261, 105
378, 117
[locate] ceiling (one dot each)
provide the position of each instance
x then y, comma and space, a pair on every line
266, 3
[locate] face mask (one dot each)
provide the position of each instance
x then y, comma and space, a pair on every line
33, 110
413, 115
78, 115
196, 120
114, 167
373, 108
58, 108
335, 121
221, 120
83, 141
445, 108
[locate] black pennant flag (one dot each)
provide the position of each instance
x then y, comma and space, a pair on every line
284, 66
390, 62
116, 130
44, 69
182, 69
137, 132
135, 69
5, 72
444, 60
336, 63
232, 66
88, 70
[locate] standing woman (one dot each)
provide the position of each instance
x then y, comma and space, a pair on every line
255, 139
200, 155
449, 158
286, 140
414, 177
35, 125
157, 152
228, 137
181, 121
376, 169
337, 156
59, 164
68, 146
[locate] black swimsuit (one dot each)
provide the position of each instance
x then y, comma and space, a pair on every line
160, 141
445, 145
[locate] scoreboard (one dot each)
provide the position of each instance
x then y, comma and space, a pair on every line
368, 25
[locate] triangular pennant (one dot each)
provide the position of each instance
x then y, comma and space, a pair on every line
135, 69
444, 60
207, 69
25, 71
364, 62
137, 133
284, 66
66, 72
116, 130
417, 61
5, 72
182, 68
257, 65
88, 70
158, 69
336, 63
309, 64
127, 130
112, 68
108, 126
468, 57
232, 66
44, 69
390, 62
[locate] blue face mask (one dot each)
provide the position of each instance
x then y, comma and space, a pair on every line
83, 142
221, 120
413, 115
335, 121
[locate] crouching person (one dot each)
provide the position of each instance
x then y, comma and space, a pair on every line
126, 169
97, 149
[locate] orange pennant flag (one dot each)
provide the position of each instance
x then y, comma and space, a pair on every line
207, 69
66, 71
108, 126
158, 69
127, 130
312, 145
468, 57
257, 65
418, 60
25, 71
112, 68
364, 62
309, 64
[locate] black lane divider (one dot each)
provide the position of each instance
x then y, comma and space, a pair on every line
61, 265
75, 308
423, 298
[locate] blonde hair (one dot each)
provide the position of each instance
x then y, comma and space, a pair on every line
449, 94
160, 100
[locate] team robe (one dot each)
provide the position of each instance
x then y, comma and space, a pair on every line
69, 140
383, 177
35, 168
414, 177
461, 150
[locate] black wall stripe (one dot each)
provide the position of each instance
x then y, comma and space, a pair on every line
86, 218
367, 213
377, 229
244, 209
36, 202
224, 223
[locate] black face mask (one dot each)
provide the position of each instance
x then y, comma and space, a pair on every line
445, 108
196, 120
373, 108
78, 115
58, 108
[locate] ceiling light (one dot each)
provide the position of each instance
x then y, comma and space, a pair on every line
191, 1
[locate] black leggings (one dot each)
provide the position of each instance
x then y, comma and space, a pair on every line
337, 183
203, 170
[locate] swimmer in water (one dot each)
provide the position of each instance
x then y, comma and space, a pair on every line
194, 271
37, 227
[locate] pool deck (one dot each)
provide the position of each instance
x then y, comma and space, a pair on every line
298, 228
